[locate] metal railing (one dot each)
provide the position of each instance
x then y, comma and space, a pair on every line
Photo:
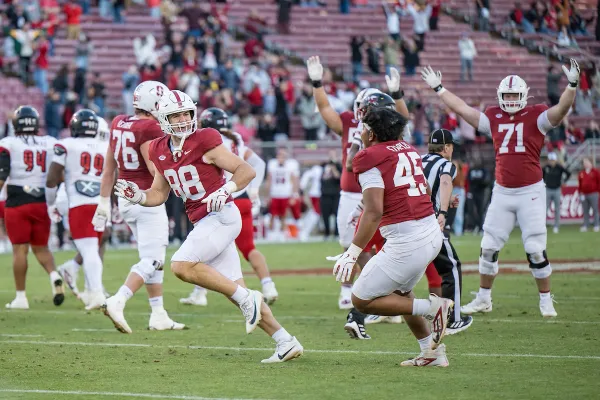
590, 148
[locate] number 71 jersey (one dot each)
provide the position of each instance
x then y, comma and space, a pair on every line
83, 159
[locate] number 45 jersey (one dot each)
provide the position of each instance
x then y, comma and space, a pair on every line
518, 141
83, 159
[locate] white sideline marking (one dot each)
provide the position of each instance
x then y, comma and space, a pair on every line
51, 343
91, 330
142, 395
18, 335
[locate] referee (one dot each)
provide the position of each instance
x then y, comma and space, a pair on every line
440, 172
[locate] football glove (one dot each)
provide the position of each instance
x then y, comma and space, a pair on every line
433, 79
345, 264
130, 192
315, 69
216, 200
102, 214
54, 214
572, 73
393, 80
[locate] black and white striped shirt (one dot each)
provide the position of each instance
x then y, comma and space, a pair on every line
434, 166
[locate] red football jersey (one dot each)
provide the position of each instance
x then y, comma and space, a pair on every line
518, 141
396, 166
189, 176
127, 134
348, 182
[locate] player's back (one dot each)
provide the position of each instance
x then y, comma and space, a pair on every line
281, 177
350, 127
29, 162
518, 141
189, 176
84, 163
396, 167
127, 134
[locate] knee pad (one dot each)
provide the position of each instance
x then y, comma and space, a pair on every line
488, 262
146, 268
539, 264
156, 278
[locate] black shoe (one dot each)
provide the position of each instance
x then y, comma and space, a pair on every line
458, 326
355, 325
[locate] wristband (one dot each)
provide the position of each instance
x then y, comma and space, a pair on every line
317, 84
354, 250
398, 95
439, 90
104, 201
572, 85
230, 186
444, 213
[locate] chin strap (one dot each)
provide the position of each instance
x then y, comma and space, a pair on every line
178, 151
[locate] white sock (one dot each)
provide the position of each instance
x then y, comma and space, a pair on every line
54, 276
156, 303
421, 306
92, 264
485, 294
125, 292
240, 295
200, 290
72, 264
266, 280
425, 343
21, 295
281, 336
545, 296
346, 291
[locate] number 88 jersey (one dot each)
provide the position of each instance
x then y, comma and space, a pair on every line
83, 159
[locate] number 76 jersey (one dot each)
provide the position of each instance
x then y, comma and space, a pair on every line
83, 159
518, 141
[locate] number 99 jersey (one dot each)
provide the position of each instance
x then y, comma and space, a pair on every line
83, 159
127, 134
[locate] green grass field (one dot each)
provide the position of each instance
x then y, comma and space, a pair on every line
512, 353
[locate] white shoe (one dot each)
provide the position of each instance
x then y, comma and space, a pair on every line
95, 301
345, 303
377, 319
270, 293
18, 304
430, 358
58, 290
113, 309
70, 277
285, 351
251, 309
547, 308
555, 229
438, 314
477, 305
160, 321
196, 298
583, 229
597, 229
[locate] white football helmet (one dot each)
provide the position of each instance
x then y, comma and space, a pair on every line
513, 84
147, 95
361, 95
103, 130
175, 102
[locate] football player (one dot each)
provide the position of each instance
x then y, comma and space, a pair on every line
283, 186
395, 198
191, 162
247, 201
519, 195
81, 159
128, 155
24, 160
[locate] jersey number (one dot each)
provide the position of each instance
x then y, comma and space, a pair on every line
185, 182
31, 161
407, 170
509, 129
130, 156
87, 164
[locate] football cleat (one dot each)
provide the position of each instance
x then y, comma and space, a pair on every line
547, 308
58, 290
113, 309
377, 319
462, 324
95, 301
429, 358
356, 330
477, 305
438, 314
345, 303
18, 304
251, 309
270, 293
285, 351
196, 298
160, 321
70, 277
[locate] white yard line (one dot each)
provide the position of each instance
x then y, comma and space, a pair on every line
18, 335
116, 394
460, 354
92, 330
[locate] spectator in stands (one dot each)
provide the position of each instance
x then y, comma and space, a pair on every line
79, 84
356, 44
118, 7
556, 138
25, 38
169, 11
83, 50
467, 52
17, 16
391, 54
130, 81
154, 6
592, 131
99, 93
483, 14
49, 23
532, 19
555, 175
517, 16
283, 16
373, 57
105, 8
52, 114
60, 83
32, 9
69, 108
266, 133
309, 116
243, 122
144, 49
41, 63
420, 15
255, 23
73, 12
478, 179
254, 46
411, 56
552, 80
282, 111
392, 15
583, 103
228, 76
436, 6
589, 189
330, 194
189, 82
564, 38
194, 15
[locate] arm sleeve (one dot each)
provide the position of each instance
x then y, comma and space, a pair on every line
60, 154
259, 166
543, 123
4, 164
371, 179
484, 124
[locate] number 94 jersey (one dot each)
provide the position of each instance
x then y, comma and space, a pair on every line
189, 176
83, 159
518, 141
395, 167
30, 158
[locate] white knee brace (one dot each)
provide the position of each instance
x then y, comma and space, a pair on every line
156, 278
539, 265
146, 268
488, 262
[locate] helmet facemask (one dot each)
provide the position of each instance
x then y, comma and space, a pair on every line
180, 130
513, 85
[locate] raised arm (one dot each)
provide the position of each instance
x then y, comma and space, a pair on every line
393, 83
330, 116
559, 111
